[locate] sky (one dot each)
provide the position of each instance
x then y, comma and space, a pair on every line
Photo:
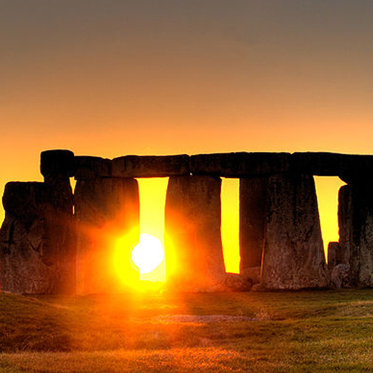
117, 77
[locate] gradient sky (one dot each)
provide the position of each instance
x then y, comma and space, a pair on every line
109, 78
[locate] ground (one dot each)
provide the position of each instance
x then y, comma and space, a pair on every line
308, 331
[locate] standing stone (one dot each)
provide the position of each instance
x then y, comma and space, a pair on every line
356, 230
345, 230
27, 265
194, 254
253, 209
107, 209
293, 256
57, 166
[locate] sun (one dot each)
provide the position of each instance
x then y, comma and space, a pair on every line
148, 254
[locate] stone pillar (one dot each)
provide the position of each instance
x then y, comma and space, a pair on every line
194, 254
356, 230
106, 209
253, 209
345, 228
27, 263
293, 256
57, 166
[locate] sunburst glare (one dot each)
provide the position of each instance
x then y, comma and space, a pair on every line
148, 254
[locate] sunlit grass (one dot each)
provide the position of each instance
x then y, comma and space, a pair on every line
279, 332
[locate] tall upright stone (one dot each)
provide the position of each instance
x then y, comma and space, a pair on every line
194, 254
253, 214
27, 265
293, 256
345, 224
356, 230
107, 210
57, 166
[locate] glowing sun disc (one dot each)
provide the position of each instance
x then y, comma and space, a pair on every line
148, 254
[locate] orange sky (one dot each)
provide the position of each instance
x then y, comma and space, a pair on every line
110, 78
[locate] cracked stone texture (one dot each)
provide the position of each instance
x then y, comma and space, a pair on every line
106, 209
293, 256
192, 234
36, 240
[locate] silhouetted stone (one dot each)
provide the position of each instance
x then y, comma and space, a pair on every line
92, 167
239, 164
236, 282
57, 166
253, 214
349, 167
194, 254
150, 166
346, 229
356, 231
36, 248
106, 210
57, 162
293, 256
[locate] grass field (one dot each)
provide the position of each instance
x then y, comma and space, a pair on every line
324, 331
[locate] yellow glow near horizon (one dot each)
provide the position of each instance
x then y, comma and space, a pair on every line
126, 269
148, 254
230, 224
327, 196
152, 204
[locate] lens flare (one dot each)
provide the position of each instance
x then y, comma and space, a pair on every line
148, 254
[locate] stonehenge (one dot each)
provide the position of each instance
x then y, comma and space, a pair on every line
293, 253
105, 210
56, 241
193, 242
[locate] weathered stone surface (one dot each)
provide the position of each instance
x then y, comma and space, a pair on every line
106, 210
334, 249
236, 282
88, 168
253, 214
336, 255
251, 274
57, 162
34, 241
346, 230
239, 164
349, 167
340, 275
293, 256
194, 254
356, 231
150, 166
60, 234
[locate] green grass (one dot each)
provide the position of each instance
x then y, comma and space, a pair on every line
324, 331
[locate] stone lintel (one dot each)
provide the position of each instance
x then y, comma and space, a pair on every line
350, 168
239, 164
150, 166
57, 163
88, 168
